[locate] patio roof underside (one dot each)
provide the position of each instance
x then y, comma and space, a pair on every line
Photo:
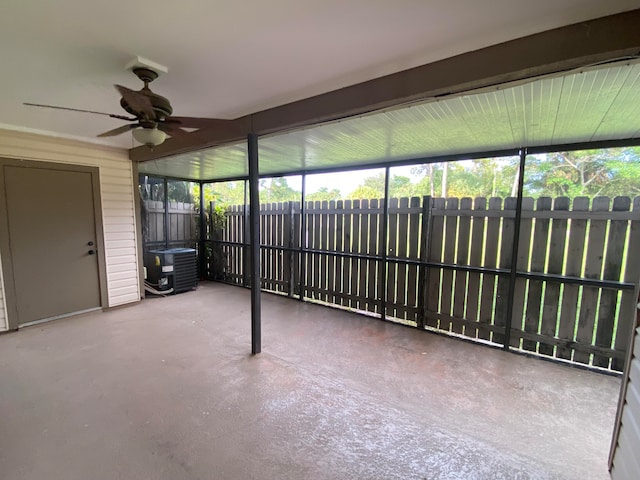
598, 104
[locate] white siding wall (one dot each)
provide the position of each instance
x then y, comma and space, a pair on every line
118, 210
626, 463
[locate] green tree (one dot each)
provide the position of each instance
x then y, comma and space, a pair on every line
277, 190
324, 194
373, 187
180, 191
222, 193
431, 181
612, 172
483, 178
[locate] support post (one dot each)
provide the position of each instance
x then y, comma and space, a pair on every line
514, 251
254, 220
425, 236
382, 271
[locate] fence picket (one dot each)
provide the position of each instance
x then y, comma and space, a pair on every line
277, 240
593, 266
363, 287
401, 268
287, 256
612, 269
347, 220
265, 269
412, 270
331, 260
271, 240
339, 247
475, 260
317, 260
391, 245
230, 267
296, 238
448, 275
244, 236
490, 260
373, 293
524, 253
462, 258
570, 294
549, 321
502, 289
435, 236
538, 258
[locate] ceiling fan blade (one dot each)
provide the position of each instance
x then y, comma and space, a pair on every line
137, 101
195, 122
119, 130
172, 129
120, 117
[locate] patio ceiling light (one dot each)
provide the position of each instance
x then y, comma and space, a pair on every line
149, 136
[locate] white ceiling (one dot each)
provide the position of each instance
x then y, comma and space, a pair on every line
230, 58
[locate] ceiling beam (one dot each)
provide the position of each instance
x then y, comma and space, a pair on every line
564, 48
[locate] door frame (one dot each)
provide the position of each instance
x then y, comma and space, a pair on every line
625, 381
5, 246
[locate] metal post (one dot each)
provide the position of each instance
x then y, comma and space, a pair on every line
302, 256
514, 250
382, 271
425, 244
202, 250
254, 218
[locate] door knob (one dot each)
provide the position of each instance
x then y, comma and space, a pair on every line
91, 252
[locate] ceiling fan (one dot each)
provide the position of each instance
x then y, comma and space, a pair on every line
150, 112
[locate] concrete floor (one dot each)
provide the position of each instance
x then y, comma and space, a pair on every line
167, 390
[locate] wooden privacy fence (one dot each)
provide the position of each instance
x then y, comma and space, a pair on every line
446, 265
181, 221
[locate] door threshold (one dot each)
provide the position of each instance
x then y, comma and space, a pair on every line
58, 317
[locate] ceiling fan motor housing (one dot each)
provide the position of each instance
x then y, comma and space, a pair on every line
161, 105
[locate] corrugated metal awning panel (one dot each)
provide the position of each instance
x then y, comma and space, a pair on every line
602, 103
221, 162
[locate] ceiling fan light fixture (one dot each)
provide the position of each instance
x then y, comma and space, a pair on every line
150, 137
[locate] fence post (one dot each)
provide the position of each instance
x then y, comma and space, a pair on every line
425, 232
